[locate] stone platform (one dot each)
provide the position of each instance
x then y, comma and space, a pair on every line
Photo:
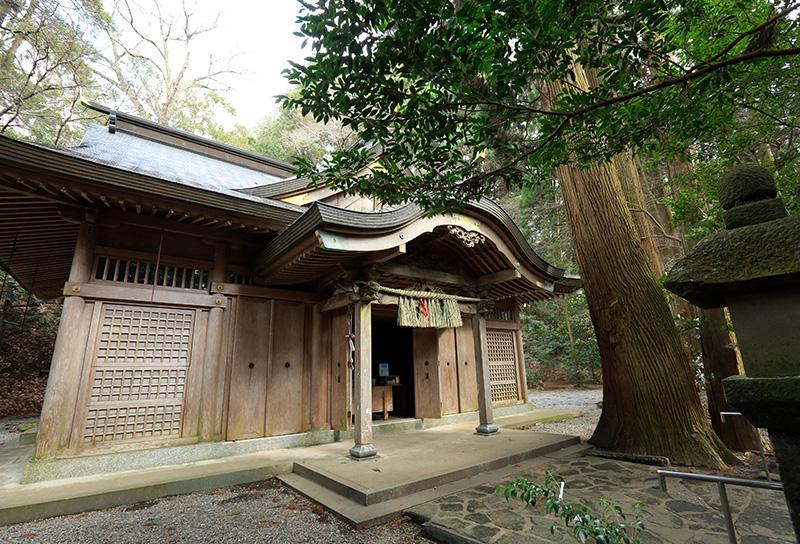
413, 461
413, 467
96, 490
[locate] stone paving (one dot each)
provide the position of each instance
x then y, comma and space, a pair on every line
688, 513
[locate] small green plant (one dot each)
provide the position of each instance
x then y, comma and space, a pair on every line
609, 526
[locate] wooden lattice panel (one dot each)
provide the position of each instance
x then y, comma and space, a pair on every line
133, 335
503, 375
118, 384
129, 422
139, 373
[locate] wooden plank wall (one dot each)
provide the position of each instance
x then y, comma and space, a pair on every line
467, 379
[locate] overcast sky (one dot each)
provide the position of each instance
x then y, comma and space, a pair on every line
260, 31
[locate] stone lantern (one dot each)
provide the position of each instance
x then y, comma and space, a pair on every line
753, 268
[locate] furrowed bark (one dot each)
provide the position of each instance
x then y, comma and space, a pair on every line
650, 400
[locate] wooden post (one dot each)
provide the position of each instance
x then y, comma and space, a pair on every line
523, 375
487, 426
213, 390
363, 362
60, 398
320, 368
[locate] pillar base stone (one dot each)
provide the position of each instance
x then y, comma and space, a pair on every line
361, 451
486, 429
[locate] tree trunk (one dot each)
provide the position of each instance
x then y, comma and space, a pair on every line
720, 361
627, 167
650, 400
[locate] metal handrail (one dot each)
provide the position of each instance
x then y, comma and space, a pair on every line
721, 482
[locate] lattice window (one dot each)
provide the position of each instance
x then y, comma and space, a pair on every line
139, 373
500, 314
140, 272
503, 375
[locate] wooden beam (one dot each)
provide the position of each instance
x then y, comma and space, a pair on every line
230, 289
116, 217
339, 301
363, 446
386, 255
387, 300
498, 277
144, 293
502, 325
425, 274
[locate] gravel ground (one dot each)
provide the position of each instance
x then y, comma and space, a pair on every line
582, 400
262, 512
9, 426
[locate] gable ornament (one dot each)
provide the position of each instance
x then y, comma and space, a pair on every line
469, 238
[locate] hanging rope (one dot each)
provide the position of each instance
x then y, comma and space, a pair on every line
425, 308
429, 295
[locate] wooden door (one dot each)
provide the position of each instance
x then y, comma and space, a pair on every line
285, 400
467, 377
427, 395
248, 389
448, 370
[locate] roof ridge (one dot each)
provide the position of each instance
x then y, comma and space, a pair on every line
182, 135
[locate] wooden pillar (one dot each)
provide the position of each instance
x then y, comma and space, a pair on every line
320, 369
66, 368
363, 377
523, 375
213, 390
485, 412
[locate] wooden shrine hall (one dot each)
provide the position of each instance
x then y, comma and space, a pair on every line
210, 295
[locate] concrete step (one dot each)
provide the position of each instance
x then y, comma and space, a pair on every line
361, 516
367, 496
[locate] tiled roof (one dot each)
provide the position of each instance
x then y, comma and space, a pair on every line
145, 156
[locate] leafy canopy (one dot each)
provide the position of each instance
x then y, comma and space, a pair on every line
454, 91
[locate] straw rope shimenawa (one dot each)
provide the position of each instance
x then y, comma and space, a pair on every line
442, 309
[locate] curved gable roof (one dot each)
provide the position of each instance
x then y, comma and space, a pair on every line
325, 236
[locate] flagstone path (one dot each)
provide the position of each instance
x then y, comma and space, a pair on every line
688, 513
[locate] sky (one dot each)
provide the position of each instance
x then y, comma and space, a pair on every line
259, 33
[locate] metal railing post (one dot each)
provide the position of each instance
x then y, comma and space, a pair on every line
721, 481
726, 511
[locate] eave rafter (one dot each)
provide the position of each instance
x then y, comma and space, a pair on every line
79, 195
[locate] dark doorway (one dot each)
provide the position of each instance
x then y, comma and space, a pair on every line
393, 346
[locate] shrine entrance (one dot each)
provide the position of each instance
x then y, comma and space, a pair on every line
392, 366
